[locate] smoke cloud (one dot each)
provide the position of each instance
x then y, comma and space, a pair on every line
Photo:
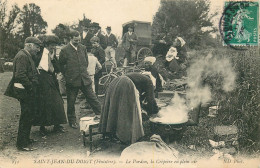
200, 92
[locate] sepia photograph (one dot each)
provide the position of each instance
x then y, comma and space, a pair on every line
129, 83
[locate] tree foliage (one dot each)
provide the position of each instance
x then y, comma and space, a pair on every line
188, 19
10, 42
31, 21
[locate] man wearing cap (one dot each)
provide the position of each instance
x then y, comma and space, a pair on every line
74, 62
129, 44
25, 82
51, 110
86, 36
96, 29
112, 43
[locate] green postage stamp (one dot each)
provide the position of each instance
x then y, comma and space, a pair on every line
240, 23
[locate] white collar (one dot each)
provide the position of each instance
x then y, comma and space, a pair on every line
73, 46
109, 34
130, 33
44, 63
97, 32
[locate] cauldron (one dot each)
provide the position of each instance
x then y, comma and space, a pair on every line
168, 132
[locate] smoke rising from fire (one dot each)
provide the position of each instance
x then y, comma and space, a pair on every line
200, 92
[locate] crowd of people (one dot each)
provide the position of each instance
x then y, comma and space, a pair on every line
78, 65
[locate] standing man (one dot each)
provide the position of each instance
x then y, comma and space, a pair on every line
112, 43
74, 62
25, 82
129, 42
86, 36
96, 29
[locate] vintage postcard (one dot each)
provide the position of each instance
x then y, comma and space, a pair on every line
140, 83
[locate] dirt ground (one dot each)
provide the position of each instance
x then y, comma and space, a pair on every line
69, 145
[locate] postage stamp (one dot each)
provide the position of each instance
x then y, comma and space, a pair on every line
240, 23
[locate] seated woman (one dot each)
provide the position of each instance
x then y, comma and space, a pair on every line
176, 56
121, 112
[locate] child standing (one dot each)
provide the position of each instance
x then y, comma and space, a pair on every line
93, 67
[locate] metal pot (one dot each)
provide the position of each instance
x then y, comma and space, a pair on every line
168, 132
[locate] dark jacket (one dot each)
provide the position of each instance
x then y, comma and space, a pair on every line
73, 64
86, 41
146, 90
127, 44
102, 39
156, 75
99, 53
111, 40
24, 70
25, 73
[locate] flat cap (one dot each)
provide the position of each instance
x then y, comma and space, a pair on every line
52, 39
94, 39
33, 40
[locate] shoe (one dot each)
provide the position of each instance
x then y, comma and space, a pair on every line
58, 128
74, 125
27, 149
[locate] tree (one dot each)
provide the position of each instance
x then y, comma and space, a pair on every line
188, 19
61, 31
31, 21
10, 42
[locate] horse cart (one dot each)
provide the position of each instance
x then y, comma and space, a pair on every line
143, 31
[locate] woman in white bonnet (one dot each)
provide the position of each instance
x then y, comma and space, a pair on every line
176, 56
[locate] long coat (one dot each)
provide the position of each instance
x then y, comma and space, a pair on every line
73, 64
121, 111
146, 90
102, 39
50, 105
25, 73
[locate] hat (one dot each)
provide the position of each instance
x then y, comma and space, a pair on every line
52, 39
73, 33
94, 39
33, 40
108, 28
94, 24
150, 59
131, 26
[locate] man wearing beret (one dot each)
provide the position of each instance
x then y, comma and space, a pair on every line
129, 42
74, 62
25, 82
112, 43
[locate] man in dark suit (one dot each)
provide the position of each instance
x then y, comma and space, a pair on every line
74, 62
129, 42
86, 36
96, 29
25, 82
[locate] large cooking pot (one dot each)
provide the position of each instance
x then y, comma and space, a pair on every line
168, 132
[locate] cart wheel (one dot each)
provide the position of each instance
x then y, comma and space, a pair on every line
103, 84
142, 53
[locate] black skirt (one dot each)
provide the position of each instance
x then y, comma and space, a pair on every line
50, 109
